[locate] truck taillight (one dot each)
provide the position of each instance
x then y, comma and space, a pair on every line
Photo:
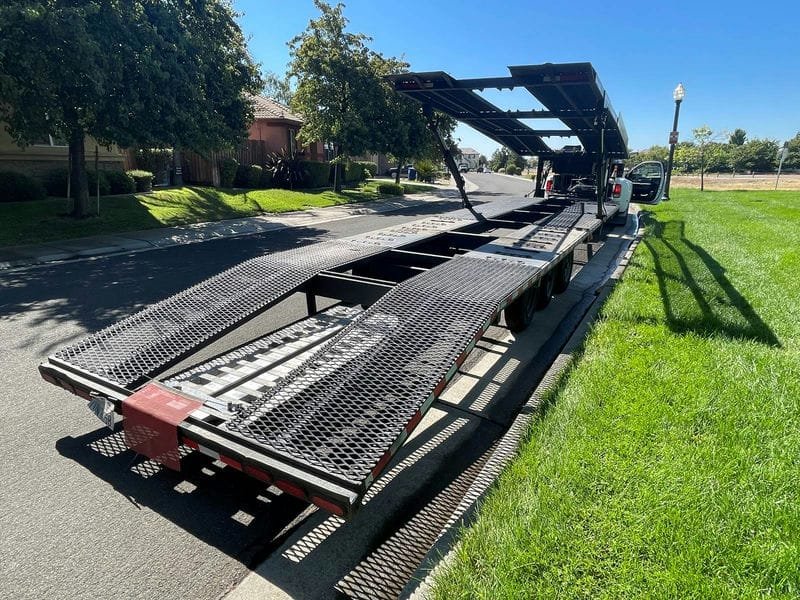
616, 191
548, 185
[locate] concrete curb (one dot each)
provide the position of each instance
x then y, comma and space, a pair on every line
572, 334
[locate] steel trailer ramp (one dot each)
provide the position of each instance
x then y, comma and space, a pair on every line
343, 414
130, 352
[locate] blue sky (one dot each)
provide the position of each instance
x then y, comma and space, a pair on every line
739, 61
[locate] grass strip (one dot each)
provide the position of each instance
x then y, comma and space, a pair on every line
665, 465
43, 221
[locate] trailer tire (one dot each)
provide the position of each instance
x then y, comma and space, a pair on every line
519, 313
563, 272
544, 292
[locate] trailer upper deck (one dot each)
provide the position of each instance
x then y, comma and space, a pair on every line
569, 92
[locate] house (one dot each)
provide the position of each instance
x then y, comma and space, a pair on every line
51, 153
277, 127
469, 157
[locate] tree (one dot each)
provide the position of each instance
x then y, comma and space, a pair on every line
134, 72
760, 155
654, 153
702, 135
276, 87
399, 126
793, 160
336, 85
738, 137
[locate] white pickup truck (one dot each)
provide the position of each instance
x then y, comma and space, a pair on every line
643, 183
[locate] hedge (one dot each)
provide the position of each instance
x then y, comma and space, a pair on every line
390, 189
119, 182
370, 167
18, 187
143, 179
353, 172
315, 174
227, 172
267, 179
111, 182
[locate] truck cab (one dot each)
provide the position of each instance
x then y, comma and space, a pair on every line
643, 183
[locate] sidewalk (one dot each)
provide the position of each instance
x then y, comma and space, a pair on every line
152, 239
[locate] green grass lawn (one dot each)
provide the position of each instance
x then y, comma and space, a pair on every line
36, 222
667, 462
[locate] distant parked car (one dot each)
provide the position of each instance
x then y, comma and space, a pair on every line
463, 167
403, 170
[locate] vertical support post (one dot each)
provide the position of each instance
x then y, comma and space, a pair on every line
311, 304
97, 175
784, 152
673, 139
448, 157
537, 190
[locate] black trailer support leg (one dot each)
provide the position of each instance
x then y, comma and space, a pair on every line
311, 303
448, 157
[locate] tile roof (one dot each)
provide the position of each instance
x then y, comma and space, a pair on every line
267, 108
469, 151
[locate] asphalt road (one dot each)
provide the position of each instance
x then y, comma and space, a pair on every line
80, 516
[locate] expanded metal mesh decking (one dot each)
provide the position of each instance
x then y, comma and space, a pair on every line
343, 410
133, 349
142, 345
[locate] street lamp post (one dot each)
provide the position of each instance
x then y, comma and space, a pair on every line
677, 95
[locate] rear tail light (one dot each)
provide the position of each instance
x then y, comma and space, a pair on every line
548, 185
616, 191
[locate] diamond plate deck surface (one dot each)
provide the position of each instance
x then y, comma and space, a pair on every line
344, 409
142, 345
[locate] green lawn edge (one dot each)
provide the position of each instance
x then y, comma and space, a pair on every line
46, 221
665, 464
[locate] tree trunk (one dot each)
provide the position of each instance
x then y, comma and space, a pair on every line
397, 175
80, 183
337, 169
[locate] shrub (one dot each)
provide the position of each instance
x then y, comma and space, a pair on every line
513, 170
119, 182
288, 172
390, 189
354, 172
18, 187
252, 177
105, 185
156, 160
227, 172
143, 180
240, 180
55, 182
317, 174
426, 170
266, 179
370, 167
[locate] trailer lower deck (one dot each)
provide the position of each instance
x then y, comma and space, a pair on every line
319, 407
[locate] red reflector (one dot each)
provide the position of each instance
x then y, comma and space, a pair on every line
617, 191
258, 474
290, 488
191, 443
83, 393
328, 505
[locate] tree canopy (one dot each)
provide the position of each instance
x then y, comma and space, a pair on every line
277, 87
141, 72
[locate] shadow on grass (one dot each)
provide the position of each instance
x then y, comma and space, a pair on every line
697, 295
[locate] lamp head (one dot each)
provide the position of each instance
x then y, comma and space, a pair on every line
679, 92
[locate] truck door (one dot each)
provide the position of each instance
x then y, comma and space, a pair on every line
648, 180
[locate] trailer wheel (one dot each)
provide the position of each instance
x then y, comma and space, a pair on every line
563, 273
545, 290
519, 313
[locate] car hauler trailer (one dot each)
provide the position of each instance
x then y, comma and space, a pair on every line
318, 408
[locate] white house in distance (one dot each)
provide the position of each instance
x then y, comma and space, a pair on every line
469, 157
